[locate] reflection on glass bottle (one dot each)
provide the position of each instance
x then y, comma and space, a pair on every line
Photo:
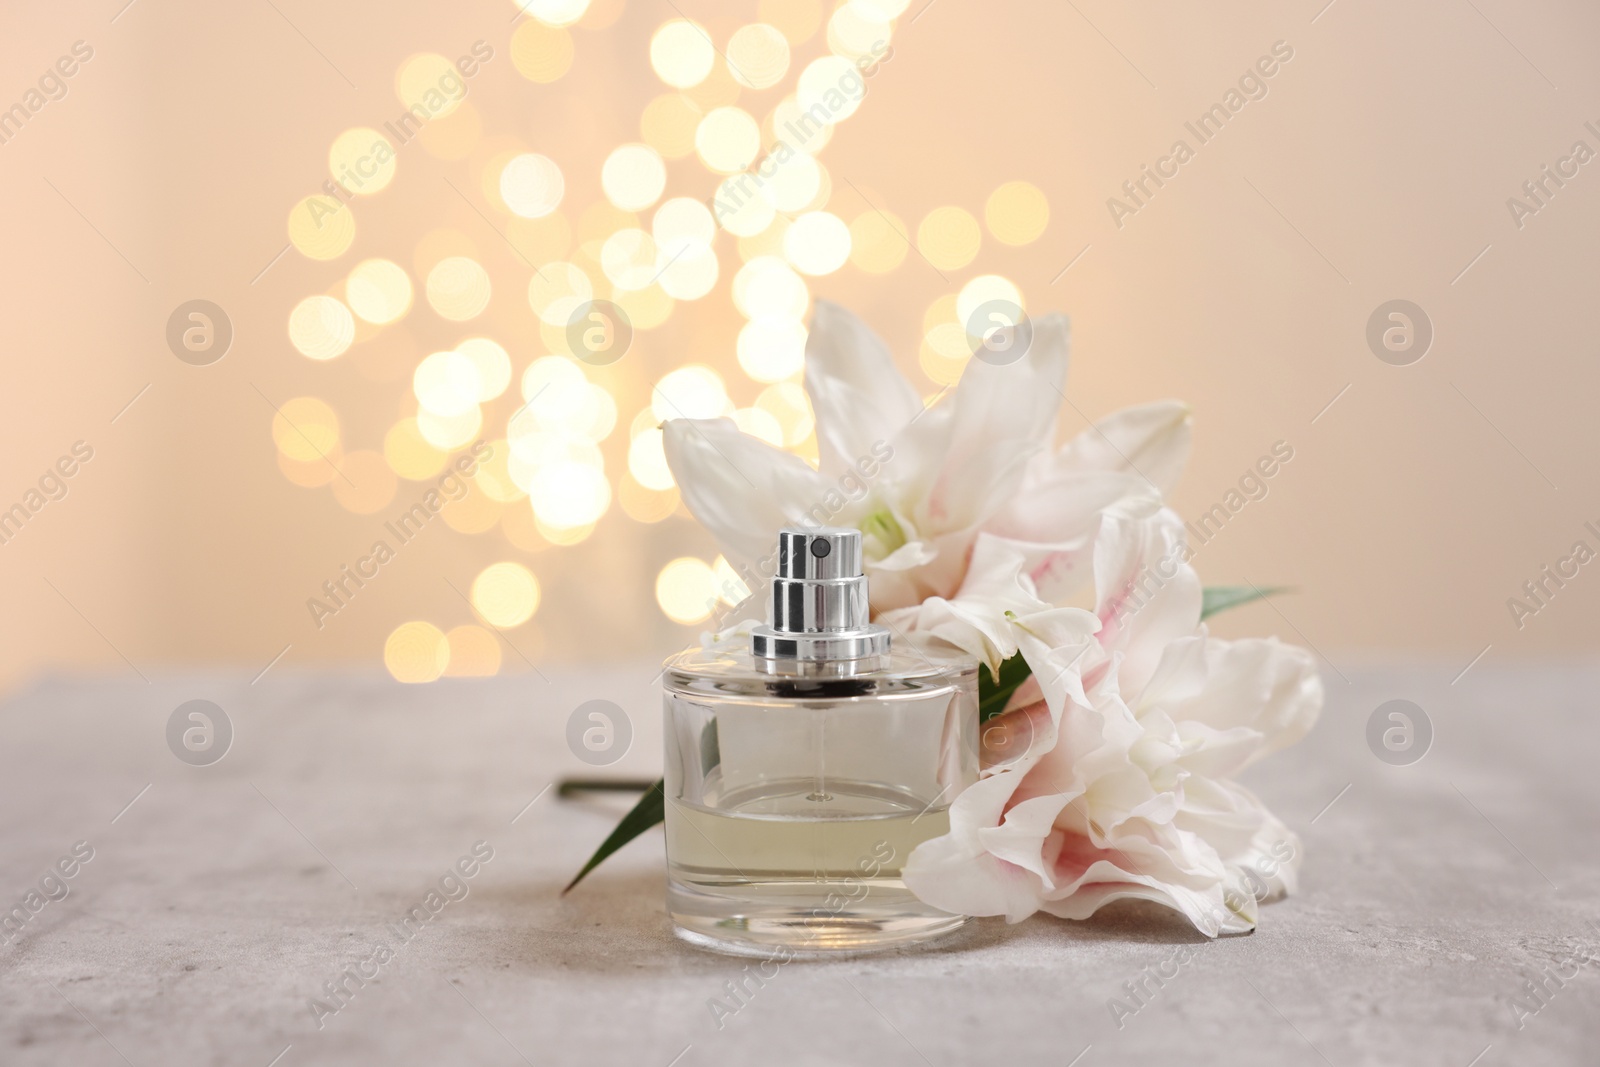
802, 771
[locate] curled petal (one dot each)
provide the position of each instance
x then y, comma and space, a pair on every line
1054, 522
1248, 838
977, 619
956, 872
1151, 442
898, 579
975, 868
1260, 684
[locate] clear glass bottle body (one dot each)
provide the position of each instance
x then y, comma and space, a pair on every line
795, 793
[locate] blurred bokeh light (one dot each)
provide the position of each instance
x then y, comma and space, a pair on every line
723, 193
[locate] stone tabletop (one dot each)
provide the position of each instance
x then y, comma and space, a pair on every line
210, 905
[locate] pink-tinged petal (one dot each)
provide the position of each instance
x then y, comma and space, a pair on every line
1148, 595
1026, 695
1071, 751
1105, 883
955, 872
1020, 837
1021, 730
1150, 855
977, 619
1054, 522
739, 488
860, 400
1124, 464
1151, 442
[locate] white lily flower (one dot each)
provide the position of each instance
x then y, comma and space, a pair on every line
1109, 775
977, 462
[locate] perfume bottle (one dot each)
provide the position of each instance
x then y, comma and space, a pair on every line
803, 769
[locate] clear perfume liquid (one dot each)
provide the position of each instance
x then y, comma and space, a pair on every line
793, 803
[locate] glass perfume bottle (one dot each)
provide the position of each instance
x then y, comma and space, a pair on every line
802, 771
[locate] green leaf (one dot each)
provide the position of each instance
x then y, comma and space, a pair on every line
1217, 598
994, 692
651, 810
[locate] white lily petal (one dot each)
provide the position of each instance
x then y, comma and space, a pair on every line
977, 619
1053, 520
1151, 441
1207, 909
1002, 416
738, 487
1247, 836
897, 580
860, 400
1260, 683
1019, 839
955, 872
1148, 595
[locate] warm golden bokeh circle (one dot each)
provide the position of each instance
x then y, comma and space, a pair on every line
758, 55
505, 594
378, 291
322, 227
878, 242
686, 590
949, 237
321, 327
668, 124
682, 53
1017, 213
429, 84
555, 12
409, 454
305, 429
727, 139
541, 53
362, 161
458, 288
633, 176
416, 652
532, 185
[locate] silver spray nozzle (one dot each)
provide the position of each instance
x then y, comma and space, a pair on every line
819, 600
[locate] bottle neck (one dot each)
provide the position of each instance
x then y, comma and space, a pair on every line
810, 605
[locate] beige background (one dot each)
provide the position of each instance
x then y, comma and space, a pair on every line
1378, 167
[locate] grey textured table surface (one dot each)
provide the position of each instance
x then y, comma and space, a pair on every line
221, 901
